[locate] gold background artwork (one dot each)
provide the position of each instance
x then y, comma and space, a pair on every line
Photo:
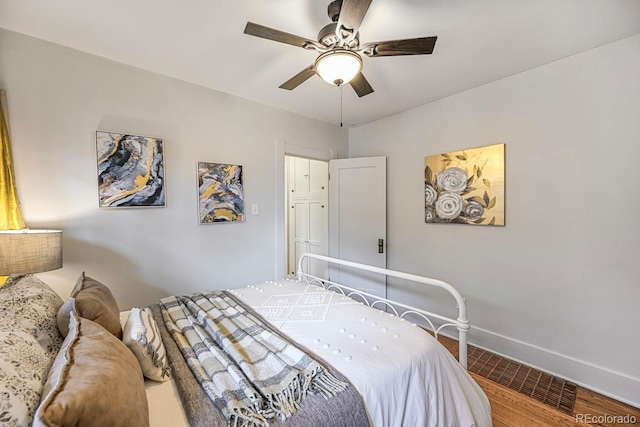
466, 186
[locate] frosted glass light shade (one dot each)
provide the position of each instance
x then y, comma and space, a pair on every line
30, 251
338, 66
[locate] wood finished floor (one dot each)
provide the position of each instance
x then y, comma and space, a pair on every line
512, 409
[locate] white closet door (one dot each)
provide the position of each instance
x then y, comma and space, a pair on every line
308, 214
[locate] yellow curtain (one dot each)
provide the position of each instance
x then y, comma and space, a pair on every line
10, 217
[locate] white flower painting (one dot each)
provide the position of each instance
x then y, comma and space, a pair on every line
465, 187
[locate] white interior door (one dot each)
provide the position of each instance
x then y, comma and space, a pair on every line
308, 214
358, 220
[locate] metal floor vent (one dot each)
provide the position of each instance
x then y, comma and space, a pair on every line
548, 389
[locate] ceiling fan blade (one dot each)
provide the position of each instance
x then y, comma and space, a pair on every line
418, 46
361, 85
299, 78
352, 13
261, 31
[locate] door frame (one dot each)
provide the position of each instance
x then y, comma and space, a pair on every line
283, 149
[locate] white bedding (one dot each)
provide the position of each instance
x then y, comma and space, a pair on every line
404, 375
165, 408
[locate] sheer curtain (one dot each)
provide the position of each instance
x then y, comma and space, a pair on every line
10, 216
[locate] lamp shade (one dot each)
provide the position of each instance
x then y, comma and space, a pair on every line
338, 66
30, 251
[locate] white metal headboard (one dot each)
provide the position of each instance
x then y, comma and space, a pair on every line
401, 310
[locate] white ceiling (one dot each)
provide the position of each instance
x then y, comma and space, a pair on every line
202, 41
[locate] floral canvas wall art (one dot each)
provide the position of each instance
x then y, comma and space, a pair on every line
465, 187
220, 193
130, 170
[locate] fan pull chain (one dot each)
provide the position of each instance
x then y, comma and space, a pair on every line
341, 105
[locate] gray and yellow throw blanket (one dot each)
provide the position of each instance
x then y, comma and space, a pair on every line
251, 373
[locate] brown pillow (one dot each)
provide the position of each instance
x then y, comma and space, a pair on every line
94, 301
95, 381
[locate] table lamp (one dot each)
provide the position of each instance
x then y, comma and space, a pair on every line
30, 251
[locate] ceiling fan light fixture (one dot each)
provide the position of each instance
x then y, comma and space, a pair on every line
338, 66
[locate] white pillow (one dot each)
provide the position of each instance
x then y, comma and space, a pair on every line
142, 336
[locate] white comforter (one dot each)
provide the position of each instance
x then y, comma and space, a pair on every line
404, 375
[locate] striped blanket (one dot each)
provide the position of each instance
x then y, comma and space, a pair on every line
251, 374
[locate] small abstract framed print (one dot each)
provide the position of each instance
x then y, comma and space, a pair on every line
220, 193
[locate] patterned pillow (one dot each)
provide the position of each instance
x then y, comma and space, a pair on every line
95, 381
142, 336
29, 342
94, 301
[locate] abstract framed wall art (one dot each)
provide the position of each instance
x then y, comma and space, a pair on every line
220, 193
130, 170
465, 187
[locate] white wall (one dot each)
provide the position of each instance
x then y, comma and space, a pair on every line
559, 285
59, 97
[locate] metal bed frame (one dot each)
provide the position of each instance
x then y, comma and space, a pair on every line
400, 310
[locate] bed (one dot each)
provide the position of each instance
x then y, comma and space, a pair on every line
373, 364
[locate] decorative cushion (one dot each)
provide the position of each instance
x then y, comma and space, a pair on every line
142, 336
29, 342
94, 301
95, 381
64, 314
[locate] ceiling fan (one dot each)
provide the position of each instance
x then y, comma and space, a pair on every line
338, 44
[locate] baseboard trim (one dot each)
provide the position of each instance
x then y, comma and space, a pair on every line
613, 384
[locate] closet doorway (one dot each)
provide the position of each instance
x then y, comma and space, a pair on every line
307, 210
